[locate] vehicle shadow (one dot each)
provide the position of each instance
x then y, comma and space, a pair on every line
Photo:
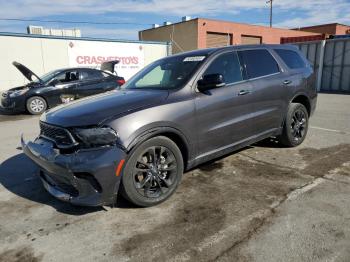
269, 143
19, 175
215, 163
6, 115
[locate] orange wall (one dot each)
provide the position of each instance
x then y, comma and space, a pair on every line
269, 35
331, 29
342, 30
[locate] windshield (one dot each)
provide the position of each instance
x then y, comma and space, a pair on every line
48, 76
166, 73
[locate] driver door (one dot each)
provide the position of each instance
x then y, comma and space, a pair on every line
223, 114
64, 89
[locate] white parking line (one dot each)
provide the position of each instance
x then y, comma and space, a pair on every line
296, 193
327, 129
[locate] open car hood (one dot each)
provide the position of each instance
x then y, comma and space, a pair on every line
109, 66
25, 71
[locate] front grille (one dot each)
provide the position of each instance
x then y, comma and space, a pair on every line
59, 135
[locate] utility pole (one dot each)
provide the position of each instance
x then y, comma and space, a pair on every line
270, 2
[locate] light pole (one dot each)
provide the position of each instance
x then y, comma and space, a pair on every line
270, 2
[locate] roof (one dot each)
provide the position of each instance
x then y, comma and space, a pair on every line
176, 23
217, 20
322, 25
80, 38
210, 51
76, 68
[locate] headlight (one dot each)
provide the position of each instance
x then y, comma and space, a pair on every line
18, 92
98, 136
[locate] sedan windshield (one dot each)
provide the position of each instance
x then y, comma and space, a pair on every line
48, 76
167, 73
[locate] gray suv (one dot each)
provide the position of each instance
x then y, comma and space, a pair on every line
176, 113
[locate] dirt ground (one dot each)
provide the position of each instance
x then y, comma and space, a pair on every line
263, 203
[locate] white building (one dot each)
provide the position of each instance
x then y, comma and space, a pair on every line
42, 54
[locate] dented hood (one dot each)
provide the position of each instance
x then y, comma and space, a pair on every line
98, 109
25, 71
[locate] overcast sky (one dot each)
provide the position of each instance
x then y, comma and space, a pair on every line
287, 13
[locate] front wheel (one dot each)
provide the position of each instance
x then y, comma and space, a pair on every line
295, 126
36, 105
153, 172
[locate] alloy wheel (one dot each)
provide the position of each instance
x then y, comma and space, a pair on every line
298, 124
155, 172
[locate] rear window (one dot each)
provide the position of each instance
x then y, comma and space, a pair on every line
259, 63
291, 58
90, 74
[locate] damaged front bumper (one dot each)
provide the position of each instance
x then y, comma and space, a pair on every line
16, 104
85, 177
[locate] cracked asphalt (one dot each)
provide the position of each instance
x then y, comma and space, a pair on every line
263, 203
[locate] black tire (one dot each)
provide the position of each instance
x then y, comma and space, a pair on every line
36, 105
295, 125
148, 180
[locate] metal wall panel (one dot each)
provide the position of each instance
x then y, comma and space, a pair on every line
335, 75
218, 39
251, 40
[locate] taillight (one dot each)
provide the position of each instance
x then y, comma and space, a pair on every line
121, 81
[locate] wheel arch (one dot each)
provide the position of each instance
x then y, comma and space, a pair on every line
304, 100
173, 134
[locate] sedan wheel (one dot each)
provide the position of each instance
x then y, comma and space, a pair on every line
152, 172
36, 105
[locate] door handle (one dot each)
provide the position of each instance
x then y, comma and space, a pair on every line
244, 92
287, 82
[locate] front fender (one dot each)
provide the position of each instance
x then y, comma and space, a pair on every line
143, 136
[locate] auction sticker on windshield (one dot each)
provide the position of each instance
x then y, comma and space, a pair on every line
194, 58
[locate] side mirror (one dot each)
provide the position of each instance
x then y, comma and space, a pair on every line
210, 81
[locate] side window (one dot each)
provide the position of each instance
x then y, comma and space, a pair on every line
90, 75
291, 58
84, 75
228, 66
259, 63
67, 76
96, 74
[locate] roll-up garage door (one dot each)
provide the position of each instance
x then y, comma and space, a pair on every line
250, 40
218, 39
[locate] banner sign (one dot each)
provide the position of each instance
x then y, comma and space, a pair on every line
93, 54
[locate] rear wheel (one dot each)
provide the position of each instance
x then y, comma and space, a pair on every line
36, 105
295, 126
153, 172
